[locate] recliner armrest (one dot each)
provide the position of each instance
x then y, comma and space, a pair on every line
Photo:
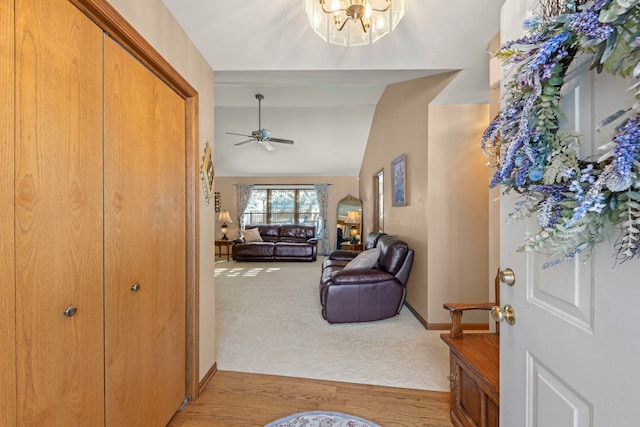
358, 276
342, 255
313, 241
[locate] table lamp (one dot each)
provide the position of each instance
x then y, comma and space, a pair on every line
224, 218
353, 217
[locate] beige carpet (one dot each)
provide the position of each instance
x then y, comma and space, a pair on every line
268, 321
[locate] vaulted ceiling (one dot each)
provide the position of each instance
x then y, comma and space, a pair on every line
320, 95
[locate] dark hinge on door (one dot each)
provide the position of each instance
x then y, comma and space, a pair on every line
184, 402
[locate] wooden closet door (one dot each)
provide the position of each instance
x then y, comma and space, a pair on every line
169, 231
145, 244
58, 215
7, 247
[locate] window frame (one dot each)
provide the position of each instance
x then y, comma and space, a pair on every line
297, 214
378, 201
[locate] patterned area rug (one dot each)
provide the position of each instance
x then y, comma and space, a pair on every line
321, 419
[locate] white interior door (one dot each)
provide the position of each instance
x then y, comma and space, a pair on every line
571, 358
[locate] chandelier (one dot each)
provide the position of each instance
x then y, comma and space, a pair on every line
354, 22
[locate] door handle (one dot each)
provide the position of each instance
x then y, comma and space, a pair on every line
135, 288
508, 277
70, 311
452, 378
507, 313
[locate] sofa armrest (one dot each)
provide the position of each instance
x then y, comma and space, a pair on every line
342, 255
358, 276
313, 241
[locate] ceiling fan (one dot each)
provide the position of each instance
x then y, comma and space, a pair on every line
261, 136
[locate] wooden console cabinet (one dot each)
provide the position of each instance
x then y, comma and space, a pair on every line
475, 380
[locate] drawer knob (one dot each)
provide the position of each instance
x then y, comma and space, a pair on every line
452, 378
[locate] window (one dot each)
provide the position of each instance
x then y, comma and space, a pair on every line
378, 201
282, 205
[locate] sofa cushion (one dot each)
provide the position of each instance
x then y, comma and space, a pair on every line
372, 238
258, 250
251, 235
292, 250
392, 254
364, 260
296, 233
268, 232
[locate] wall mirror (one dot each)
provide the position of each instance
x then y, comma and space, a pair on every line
349, 219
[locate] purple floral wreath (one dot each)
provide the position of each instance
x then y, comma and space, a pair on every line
577, 201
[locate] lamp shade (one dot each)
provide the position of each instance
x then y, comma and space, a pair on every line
224, 217
353, 217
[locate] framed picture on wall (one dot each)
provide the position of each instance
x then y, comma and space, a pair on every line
399, 181
207, 173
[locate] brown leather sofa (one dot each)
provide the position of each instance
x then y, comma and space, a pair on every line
364, 295
287, 242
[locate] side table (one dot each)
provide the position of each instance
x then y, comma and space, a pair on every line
224, 244
475, 379
352, 246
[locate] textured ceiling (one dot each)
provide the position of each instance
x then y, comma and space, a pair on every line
323, 96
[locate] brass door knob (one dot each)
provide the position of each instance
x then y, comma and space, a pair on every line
508, 277
507, 313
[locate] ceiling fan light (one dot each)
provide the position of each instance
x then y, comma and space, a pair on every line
267, 145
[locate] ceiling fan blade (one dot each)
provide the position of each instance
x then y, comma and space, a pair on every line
280, 140
261, 136
266, 144
239, 134
244, 142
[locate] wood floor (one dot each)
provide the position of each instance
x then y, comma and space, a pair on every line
240, 399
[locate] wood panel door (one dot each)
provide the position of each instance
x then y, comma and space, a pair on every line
7, 246
58, 216
144, 244
169, 231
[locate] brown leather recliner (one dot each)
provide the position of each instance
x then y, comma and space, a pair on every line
363, 295
341, 257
